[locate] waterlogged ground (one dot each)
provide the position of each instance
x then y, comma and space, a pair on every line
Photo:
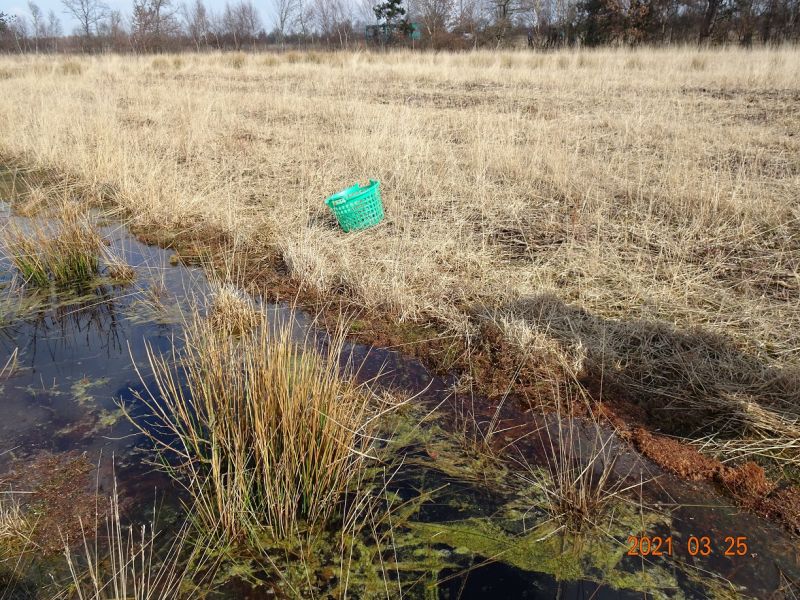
463, 524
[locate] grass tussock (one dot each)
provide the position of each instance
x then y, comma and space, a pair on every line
580, 478
70, 67
579, 483
263, 431
18, 547
232, 310
160, 64
65, 250
292, 57
15, 532
236, 60
270, 60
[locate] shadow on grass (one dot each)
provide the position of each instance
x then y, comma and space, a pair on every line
687, 382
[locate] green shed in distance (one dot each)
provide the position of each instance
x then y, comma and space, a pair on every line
382, 33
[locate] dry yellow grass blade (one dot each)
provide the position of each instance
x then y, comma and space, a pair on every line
115, 560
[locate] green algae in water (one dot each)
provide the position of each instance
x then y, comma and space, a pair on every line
41, 391
80, 389
544, 550
516, 529
340, 564
93, 423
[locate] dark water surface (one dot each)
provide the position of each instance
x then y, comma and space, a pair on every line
480, 533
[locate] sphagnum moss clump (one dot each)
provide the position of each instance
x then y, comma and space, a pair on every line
263, 431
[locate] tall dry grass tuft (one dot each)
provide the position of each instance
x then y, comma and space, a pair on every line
126, 563
262, 430
580, 479
65, 250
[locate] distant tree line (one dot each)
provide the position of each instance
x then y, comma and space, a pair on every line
173, 25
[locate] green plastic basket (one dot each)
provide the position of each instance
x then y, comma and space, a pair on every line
357, 207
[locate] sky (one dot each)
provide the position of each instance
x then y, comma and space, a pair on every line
20, 7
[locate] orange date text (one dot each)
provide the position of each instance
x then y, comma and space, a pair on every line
657, 545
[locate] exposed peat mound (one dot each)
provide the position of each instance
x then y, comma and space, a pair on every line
59, 493
747, 483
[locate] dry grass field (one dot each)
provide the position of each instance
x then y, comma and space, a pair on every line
636, 213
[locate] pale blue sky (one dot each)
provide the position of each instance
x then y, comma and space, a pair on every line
20, 7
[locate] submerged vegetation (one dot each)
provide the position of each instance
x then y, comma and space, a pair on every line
578, 481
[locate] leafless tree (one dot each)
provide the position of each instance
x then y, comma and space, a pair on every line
334, 20
709, 19
530, 13
305, 19
20, 32
153, 23
170, 24
112, 30
197, 23
467, 19
503, 15
88, 13
435, 16
37, 23
241, 21
54, 30
216, 27
285, 15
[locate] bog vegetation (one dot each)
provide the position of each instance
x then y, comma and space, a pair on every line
569, 227
65, 253
269, 435
633, 212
